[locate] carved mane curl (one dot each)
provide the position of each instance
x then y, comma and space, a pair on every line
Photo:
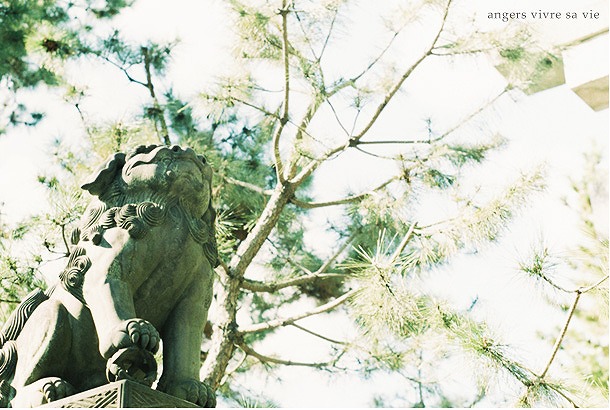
138, 211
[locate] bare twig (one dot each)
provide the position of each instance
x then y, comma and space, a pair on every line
279, 167
333, 258
159, 115
353, 141
328, 339
381, 107
328, 35
589, 288
273, 324
251, 187
561, 335
267, 359
346, 200
123, 69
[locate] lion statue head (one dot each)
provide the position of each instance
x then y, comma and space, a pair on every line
144, 188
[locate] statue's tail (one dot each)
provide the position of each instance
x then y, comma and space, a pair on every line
11, 329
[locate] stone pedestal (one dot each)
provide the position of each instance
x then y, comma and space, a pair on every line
120, 394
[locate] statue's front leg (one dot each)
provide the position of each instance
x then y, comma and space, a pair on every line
182, 336
109, 297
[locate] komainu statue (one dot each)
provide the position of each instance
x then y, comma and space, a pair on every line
139, 275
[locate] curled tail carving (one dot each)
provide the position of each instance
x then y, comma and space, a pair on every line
11, 329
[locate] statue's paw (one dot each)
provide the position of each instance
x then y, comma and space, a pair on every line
192, 390
54, 388
132, 332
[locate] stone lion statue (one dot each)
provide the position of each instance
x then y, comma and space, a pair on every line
140, 272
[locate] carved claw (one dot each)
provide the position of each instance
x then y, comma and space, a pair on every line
132, 363
192, 390
132, 332
55, 388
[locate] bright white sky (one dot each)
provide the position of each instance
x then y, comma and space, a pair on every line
553, 127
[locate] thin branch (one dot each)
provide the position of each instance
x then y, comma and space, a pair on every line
251, 187
332, 107
589, 288
236, 367
273, 324
301, 129
331, 260
431, 140
352, 142
83, 120
403, 243
378, 58
123, 69
357, 148
561, 335
267, 359
159, 113
307, 39
279, 167
328, 339
562, 394
257, 286
330, 31
347, 200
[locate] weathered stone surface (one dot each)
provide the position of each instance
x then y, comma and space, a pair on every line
140, 270
120, 394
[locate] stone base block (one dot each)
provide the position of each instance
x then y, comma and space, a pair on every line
120, 394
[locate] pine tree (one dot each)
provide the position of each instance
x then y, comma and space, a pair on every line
270, 129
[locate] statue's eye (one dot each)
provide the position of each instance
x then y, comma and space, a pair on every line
202, 159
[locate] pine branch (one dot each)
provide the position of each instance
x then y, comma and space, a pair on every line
258, 286
343, 201
320, 273
390, 95
273, 324
353, 141
267, 359
445, 134
401, 247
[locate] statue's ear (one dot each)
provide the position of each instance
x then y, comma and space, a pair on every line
98, 182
